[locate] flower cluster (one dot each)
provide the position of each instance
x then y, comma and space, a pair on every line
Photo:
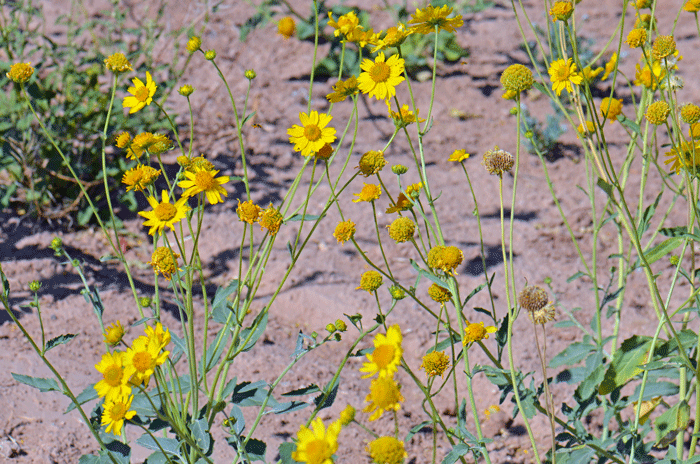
385, 394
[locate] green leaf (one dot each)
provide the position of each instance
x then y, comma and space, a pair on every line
607, 188
86, 395
251, 394
572, 354
60, 340
415, 429
285, 450
578, 275
330, 393
303, 391
457, 452
289, 406
667, 425
631, 125
169, 445
626, 363
297, 218
44, 385
252, 333
220, 309
200, 432
662, 249
255, 449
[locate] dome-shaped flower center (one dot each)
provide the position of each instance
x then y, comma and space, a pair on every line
383, 393
318, 451
141, 94
113, 375
383, 355
165, 212
142, 361
475, 332
562, 73
204, 180
117, 411
312, 132
380, 72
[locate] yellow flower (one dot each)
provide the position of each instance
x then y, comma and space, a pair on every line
164, 213
141, 359
114, 383
346, 24
380, 78
384, 395
692, 6
141, 94
435, 363
20, 72
325, 152
164, 261
475, 332
370, 281
425, 21
589, 129
387, 450
313, 134
563, 74
161, 336
204, 181
498, 161
362, 37
610, 108
663, 46
271, 219
248, 211
347, 415
317, 445
458, 156
439, 294
386, 357
445, 258
115, 412
610, 66
371, 163
117, 63
413, 190
286, 27
343, 90
561, 11
402, 229
687, 156
114, 333
369, 192
393, 37
636, 38
402, 204
404, 116
344, 231
590, 74
186, 90
122, 139
140, 177
194, 43
649, 77
517, 78
658, 112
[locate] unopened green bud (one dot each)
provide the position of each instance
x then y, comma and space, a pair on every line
56, 245
210, 54
399, 169
340, 325
337, 336
186, 90
145, 302
674, 260
514, 110
250, 74
330, 328
314, 334
34, 286
397, 292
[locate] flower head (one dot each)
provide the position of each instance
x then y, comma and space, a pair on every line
517, 78
369, 192
386, 357
347, 415
393, 37
370, 281
159, 334
645, 21
693, 6
561, 11
116, 411
204, 181
371, 163
313, 134
445, 258
164, 261
140, 177
427, 20
198, 162
194, 43
435, 363
317, 445
114, 383
286, 27
164, 213
686, 155
458, 156
20, 72
141, 94
344, 231
379, 77
475, 332
387, 450
271, 219
498, 161
649, 77
610, 108
533, 298
186, 90
384, 395
636, 38
439, 294
142, 358
117, 63
690, 113
248, 211
610, 66
402, 204
658, 112
343, 90
543, 315
563, 74
114, 333
402, 229
589, 128
663, 46
345, 25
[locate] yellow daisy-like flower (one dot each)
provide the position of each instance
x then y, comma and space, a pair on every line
141, 94
194, 43
343, 90
164, 262
117, 63
687, 156
317, 445
344, 231
589, 74
204, 181
370, 281
413, 190
379, 77
160, 335
369, 192
313, 134
387, 450
384, 395
563, 74
116, 411
114, 383
371, 163
386, 357
404, 116
475, 332
20, 72
140, 177
402, 204
164, 213
248, 211
636, 38
649, 77
693, 6
610, 66
122, 140
362, 37
271, 219
458, 156
561, 11
286, 27
141, 359
445, 258
114, 333
435, 363
588, 129
610, 108
345, 25
393, 37
347, 415
425, 21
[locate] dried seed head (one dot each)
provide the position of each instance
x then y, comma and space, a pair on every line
498, 161
543, 315
533, 298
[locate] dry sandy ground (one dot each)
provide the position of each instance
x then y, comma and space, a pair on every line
322, 287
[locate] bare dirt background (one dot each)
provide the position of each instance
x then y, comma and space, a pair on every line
33, 428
